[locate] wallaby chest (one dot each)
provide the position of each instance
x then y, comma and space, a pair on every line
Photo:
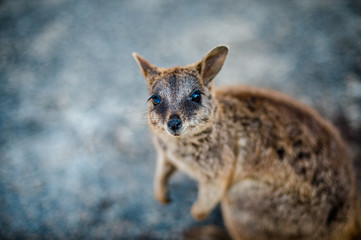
202, 153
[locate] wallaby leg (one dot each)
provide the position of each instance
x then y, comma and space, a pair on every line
211, 190
253, 210
209, 194
164, 169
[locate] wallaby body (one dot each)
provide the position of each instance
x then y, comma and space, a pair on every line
278, 169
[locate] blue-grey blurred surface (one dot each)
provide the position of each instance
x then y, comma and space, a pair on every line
76, 156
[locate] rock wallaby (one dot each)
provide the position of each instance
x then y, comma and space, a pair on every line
278, 169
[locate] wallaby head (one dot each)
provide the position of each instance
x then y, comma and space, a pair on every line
182, 101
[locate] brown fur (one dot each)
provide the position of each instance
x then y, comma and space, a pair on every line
279, 170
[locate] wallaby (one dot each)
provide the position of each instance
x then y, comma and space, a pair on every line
279, 170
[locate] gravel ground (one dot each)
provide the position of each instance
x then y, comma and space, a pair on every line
76, 159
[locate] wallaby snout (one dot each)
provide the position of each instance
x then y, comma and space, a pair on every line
174, 124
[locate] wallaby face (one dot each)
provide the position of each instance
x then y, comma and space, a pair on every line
279, 170
181, 98
179, 103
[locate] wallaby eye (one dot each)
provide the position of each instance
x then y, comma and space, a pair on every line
155, 100
196, 96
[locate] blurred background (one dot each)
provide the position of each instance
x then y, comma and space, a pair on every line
76, 156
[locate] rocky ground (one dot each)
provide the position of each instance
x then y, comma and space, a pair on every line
76, 159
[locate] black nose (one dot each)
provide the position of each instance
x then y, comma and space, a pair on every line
174, 123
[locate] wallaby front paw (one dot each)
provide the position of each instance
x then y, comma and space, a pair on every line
199, 213
163, 198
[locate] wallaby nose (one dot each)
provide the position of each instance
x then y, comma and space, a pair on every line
174, 123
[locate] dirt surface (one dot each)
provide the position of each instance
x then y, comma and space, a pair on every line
76, 159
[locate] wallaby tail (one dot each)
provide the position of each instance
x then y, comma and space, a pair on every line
210, 232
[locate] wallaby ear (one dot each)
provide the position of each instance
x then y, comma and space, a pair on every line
212, 63
147, 68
